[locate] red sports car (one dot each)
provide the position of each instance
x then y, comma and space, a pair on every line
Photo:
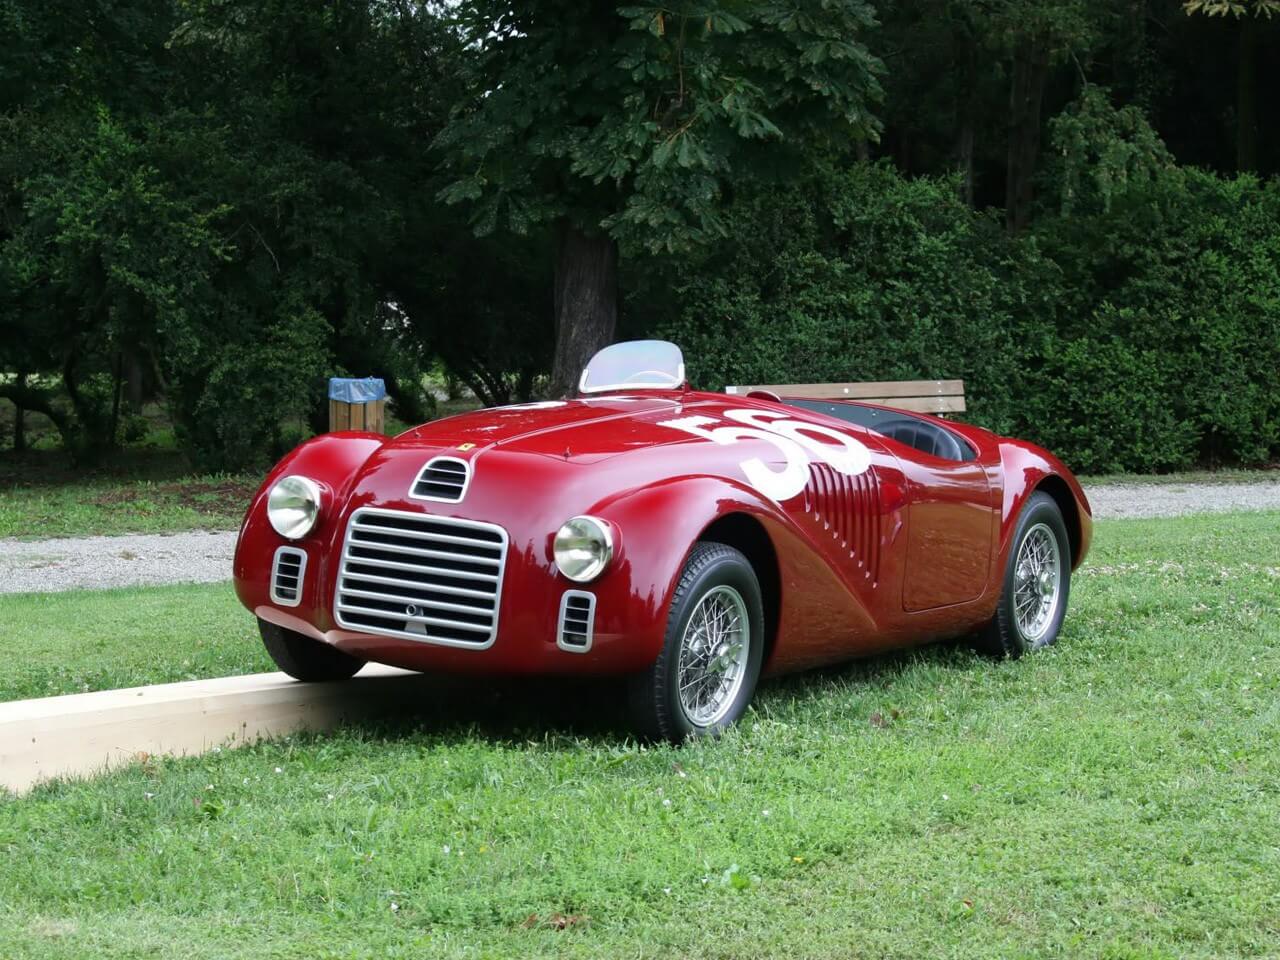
687, 541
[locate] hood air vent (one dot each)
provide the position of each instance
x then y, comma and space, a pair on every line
444, 479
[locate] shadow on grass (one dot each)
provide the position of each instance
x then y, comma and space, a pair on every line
517, 710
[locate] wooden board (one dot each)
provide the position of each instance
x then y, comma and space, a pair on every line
922, 396
86, 733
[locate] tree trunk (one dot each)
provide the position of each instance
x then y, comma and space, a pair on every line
1247, 96
20, 419
586, 302
1030, 69
968, 116
135, 394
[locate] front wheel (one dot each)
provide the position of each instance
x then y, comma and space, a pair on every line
1036, 583
304, 658
706, 673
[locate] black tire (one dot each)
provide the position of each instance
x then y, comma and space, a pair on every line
1003, 636
305, 659
657, 712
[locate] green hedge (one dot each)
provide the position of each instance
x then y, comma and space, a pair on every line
1146, 337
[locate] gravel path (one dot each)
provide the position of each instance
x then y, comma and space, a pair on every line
133, 560
1178, 499
143, 559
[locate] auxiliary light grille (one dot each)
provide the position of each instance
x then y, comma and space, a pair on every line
287, 569
577, 621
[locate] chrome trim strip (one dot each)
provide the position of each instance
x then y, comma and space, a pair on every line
301, 556
486, 634
466, 480
591, 620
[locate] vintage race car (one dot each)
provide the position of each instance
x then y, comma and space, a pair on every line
686, 541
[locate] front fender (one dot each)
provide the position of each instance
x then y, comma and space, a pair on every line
657, 527
333, 461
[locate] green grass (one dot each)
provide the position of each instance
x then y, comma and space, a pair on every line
135, 491
1115, 797
55, 643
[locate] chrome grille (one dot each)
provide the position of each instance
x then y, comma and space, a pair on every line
444, 479
433, 579
286, 576
577, 621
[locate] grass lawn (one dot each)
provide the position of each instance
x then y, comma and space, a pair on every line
142, 491
54, 643
1116, 797
146, 488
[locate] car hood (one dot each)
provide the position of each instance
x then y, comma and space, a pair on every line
579, 430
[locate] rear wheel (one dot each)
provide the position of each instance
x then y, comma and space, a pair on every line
1037, 581
304, 658
705, 675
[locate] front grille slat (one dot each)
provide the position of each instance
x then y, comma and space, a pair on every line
420, 585
427, 571
423, 577
476, 624
403, 600
433, 554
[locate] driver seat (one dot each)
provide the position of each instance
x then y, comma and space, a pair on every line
924, 436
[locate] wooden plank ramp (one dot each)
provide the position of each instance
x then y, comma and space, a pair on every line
83, 734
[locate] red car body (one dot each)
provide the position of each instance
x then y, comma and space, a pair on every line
910, 548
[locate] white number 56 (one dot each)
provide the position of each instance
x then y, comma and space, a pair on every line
794, 440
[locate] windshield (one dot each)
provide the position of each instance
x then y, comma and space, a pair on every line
635, 365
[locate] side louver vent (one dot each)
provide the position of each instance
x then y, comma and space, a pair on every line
286, 576
848, 509
444, 479
577, 621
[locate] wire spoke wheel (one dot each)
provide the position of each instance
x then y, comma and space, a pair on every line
1037, 584
714, 652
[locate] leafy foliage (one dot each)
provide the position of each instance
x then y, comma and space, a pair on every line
215, 204
637, 118
1100, 150
1145, 336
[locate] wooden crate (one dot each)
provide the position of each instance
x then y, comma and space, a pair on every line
357, 416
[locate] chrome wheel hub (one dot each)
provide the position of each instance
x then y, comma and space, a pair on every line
713, 656
1037, 584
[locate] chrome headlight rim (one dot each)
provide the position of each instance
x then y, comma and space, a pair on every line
583, 547
293, 506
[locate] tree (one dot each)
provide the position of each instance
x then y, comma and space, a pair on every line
1033, 34
1248, 12
624, 127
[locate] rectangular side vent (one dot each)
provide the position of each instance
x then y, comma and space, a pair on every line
577, 621
286, 576
444, 479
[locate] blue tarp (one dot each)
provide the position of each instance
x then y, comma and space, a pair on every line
357, 391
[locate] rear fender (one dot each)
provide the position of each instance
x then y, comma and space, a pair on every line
1028, 469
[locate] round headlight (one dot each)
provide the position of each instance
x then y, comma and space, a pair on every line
583, 548
293, 507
